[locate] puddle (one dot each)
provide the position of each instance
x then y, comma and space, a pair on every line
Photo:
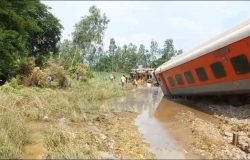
157, 122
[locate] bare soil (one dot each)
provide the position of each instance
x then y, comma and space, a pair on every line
98, 135
213, 139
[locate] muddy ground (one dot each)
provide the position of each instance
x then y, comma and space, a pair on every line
103, 135
144, 124
194, 130
213, 136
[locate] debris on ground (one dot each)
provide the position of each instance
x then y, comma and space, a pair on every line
101, 135
215, 140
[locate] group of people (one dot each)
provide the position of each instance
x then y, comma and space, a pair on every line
124, 80
138, 81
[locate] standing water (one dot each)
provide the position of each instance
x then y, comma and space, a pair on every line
155, 121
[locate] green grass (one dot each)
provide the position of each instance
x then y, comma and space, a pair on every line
105, 75
20, 105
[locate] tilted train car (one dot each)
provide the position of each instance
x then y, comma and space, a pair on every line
218, 67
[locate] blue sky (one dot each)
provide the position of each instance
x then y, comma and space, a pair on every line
188, 23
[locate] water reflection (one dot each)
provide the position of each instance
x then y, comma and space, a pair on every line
145, 101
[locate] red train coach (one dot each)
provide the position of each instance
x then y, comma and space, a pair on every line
218, 67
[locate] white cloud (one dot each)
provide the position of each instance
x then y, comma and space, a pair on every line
224, 9
187, 23
184, 23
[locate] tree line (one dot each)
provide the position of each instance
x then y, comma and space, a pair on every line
29, 29
87, 47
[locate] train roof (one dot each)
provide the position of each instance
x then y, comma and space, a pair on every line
232, 35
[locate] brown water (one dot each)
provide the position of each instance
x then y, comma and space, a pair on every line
158, 124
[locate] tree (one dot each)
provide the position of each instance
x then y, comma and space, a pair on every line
69, 54
148, 58
22, 27
118, 59
141, 56
104, 63
168, 50
44, 41
179, 52
89, 33
13, 30
112, 48
130, 57
154, 52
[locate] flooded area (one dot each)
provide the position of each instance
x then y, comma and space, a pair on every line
156, 121
183, 129
144, 124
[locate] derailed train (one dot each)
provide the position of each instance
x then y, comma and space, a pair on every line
218, 67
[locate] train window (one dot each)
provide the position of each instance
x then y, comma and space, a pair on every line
189, 77
179, 79
240, 64
201, 73
171, 81
218, 70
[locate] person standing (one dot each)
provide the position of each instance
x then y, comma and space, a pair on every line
50, 79
135, 82
111, 77
123, 80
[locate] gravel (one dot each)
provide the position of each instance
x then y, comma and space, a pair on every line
214, 140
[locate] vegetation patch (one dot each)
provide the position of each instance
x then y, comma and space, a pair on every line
78, 124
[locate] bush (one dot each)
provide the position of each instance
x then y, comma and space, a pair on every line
27, 66
30, 75
57, 72
84, 72
37, 78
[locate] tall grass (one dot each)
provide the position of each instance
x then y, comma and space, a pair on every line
13, 134
23, 104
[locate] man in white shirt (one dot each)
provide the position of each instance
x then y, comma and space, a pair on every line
123, 80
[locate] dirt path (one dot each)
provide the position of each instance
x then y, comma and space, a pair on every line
35, 149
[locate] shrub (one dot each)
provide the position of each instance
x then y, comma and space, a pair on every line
30, 75
57, 72
15, 83
83, 71
36, 78
27, 66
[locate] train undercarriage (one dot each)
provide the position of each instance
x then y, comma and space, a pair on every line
234, 100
